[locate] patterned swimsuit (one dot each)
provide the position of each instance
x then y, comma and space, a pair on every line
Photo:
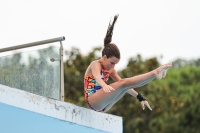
91, 86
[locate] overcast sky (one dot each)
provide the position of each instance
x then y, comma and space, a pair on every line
152, 28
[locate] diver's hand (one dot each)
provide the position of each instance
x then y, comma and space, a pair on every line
145, 103
107, 88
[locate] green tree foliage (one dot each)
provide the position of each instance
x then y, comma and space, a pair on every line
178, 63
174, 99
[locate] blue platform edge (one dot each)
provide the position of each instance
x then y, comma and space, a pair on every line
16, 120
21, 111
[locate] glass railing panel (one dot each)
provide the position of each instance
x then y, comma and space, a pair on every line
35, 71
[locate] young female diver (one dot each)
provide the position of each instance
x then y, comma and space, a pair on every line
101, 96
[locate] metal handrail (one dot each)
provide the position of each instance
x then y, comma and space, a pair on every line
59, 39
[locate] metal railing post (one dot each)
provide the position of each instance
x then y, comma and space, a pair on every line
61, 73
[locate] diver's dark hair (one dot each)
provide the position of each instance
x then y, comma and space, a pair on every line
110, 49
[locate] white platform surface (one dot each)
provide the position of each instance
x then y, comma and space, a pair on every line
60, 110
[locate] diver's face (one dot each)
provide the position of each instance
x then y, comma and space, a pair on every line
110, 62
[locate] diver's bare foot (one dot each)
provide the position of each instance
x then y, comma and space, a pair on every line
161, 71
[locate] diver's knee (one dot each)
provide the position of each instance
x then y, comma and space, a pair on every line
122, 83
